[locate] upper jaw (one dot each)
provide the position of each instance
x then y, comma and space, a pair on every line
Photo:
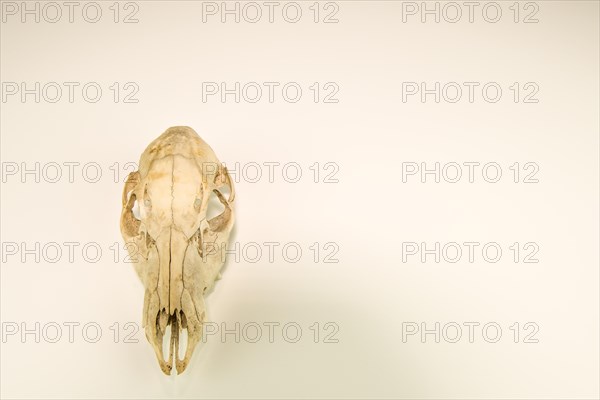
156, 329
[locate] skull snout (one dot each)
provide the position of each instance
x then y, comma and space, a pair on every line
171, 304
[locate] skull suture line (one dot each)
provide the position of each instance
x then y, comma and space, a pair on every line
172, 241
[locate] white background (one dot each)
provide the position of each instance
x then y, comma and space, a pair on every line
370, 294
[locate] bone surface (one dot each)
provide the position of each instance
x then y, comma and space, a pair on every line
177, 249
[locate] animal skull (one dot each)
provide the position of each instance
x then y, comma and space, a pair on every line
172, 242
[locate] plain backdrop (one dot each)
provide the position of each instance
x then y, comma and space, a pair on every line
355, 299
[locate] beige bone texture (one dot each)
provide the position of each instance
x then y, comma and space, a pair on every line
176, 247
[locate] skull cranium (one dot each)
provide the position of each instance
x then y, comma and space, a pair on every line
168, 238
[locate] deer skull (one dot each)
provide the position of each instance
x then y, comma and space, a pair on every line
174, 244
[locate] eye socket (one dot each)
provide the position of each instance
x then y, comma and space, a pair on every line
215, 207
135, 210
130, 218
225, 190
